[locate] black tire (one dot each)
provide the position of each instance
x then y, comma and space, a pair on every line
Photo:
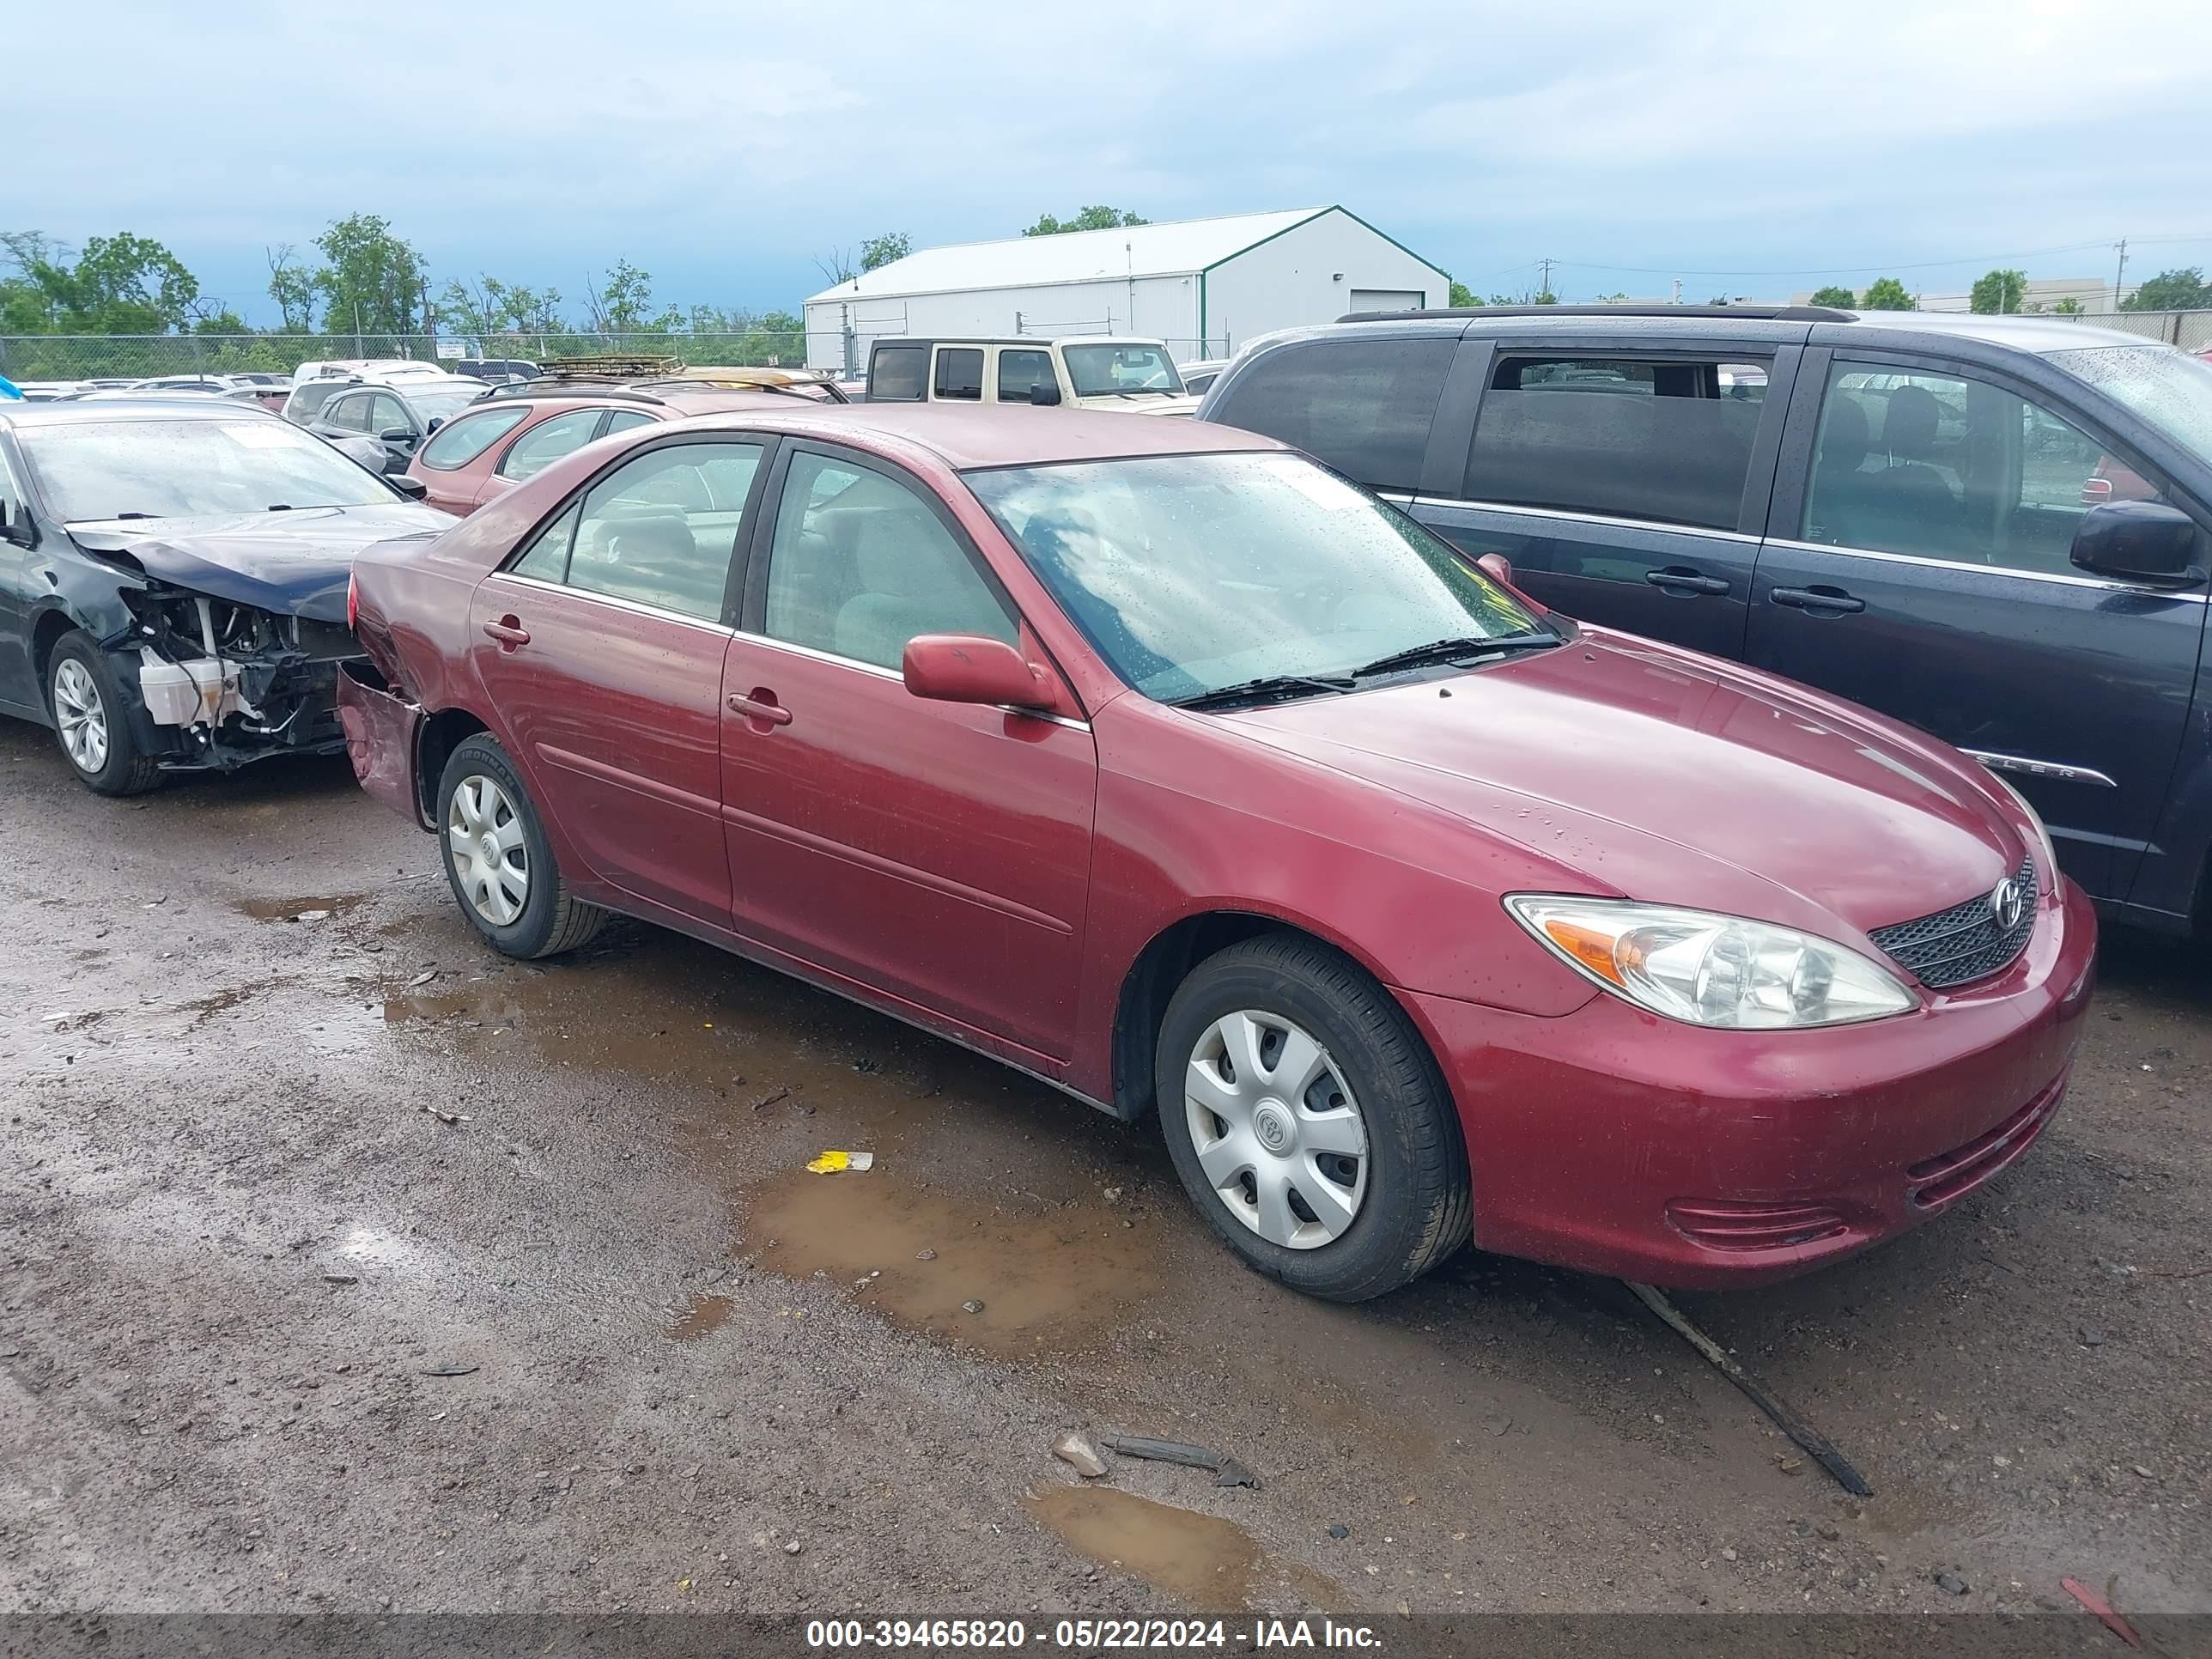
1419, 1202
550, 920
127, 770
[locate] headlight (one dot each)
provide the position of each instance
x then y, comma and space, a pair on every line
1708, 969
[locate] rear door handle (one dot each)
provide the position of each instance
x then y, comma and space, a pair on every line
760, 706
508, 631
1684, 581
1816, 599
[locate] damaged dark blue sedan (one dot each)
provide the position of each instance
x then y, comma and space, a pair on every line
172, 582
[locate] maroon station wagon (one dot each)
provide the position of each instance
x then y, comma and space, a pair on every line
1203, 783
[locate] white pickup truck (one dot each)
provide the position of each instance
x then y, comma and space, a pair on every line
1082, 372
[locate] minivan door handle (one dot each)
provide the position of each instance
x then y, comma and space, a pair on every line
1683, 579
1816, 599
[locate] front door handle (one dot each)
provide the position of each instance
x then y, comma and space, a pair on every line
761, 705
1683, 579
508, 631
1816, 599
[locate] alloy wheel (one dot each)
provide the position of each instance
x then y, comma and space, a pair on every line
1277, 1129
81, 716
491, 859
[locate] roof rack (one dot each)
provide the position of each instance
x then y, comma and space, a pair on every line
1747, 314
743, 380
527, 389
609, 366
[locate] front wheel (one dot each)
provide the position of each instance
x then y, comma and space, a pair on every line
93, 722
1309, 1122
498, 860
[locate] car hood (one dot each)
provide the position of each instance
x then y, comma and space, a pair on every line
1148, 403
294, 563
1657, 774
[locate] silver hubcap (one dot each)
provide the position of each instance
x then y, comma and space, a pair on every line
82, 716
1278, 1132
491, 863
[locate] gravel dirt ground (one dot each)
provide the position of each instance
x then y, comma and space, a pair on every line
277, 1334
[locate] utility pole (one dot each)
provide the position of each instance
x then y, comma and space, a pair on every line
2120, 273
1545, 291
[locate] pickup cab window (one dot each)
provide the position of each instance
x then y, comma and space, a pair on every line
896, 373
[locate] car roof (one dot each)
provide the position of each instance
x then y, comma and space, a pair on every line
965, 437
187, 406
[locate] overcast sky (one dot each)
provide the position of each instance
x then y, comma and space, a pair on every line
1750, 148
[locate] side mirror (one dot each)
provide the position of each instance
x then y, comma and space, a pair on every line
397, 436
15, 527
2137, 541
970, 668
1045, 393
1497, 567
413, 488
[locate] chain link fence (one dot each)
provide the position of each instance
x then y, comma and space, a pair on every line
136, 357
2190, 330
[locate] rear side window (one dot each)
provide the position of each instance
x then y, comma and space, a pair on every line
1668, 441
895, 373
464, 440
1362, 406
307, 401
960, 374
548, 441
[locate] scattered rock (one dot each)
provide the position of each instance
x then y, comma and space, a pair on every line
448, 1369
422, 979
1340, 1532
2143, 1472
1728, 1555
925, 1256
2092, 1338
1072, 1449
791, 1547
341, 1278
1951, 1582
971, 1305
1788, 1464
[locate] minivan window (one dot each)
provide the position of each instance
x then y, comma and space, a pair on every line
960, 373
1659, 439
1363, 406
895, 373
1944, 467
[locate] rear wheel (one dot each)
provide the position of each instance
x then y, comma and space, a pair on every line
1309, 1122
498, 860
92, 721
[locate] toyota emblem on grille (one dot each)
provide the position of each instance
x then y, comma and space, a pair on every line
2006, 904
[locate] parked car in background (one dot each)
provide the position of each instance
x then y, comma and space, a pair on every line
521, 430
1198, 378
1202, 782
270, 397
361, 369
212, 385
172, 578
498, 371
1964, 522
398, 414
1083, 372
47, 392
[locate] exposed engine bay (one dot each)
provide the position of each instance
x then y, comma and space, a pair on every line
227, 684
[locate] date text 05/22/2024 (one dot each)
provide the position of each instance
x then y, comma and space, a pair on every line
1089, 1635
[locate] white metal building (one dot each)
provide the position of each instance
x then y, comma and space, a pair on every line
1205, 286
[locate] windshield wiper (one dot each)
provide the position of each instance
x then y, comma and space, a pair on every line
1267, 687
132, 515
1453, 650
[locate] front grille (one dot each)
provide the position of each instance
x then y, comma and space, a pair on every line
1964, 942
1938, 1180
1721, 1224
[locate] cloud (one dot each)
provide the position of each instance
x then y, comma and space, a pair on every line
721, 147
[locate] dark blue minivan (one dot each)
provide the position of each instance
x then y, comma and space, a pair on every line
1996, 529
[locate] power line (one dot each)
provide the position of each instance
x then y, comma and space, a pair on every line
1846, 271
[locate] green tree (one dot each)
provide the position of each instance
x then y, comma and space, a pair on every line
371, 281
1998, 293
623, 298
292, 286
2069, 306
1462, 295
489, 306
882, 250
1833, 296
2182, 289
120, 284
1090, 218
1888, 294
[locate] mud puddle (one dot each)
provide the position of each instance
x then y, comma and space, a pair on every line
300, 909
1057, 1282
707, 1315
1201, 1559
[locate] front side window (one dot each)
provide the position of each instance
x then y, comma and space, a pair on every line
1105, 371
547, 442
860, 564
895, 373
1363, 406
349, 414
1666, 441
661, 529
185, 469
960, 373
385, 415
2169, 388
1194, 573
1020, 368
1944, 467
462, 442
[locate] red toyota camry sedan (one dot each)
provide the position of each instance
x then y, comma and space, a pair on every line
1175, 771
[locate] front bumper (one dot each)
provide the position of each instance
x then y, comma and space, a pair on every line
381, 728
1614, 1141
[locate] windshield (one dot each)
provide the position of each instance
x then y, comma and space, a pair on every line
438, 402
2168, 388
185, 469
1100, 371
1193, 574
